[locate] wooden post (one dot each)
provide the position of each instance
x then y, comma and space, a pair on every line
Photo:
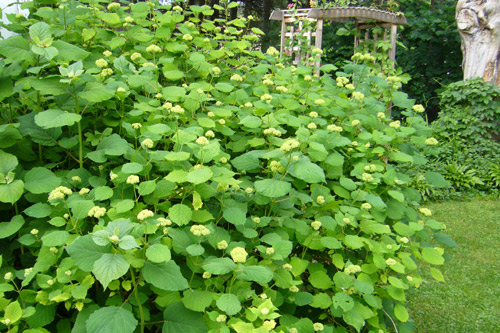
394, 34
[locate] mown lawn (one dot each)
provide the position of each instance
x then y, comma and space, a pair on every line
469, 300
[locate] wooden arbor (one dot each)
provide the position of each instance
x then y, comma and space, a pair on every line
365, 18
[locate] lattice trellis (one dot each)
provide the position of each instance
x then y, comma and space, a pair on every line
365, 18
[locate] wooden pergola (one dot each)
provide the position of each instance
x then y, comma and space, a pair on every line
364, 18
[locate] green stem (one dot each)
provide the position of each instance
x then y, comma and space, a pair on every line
136, 294
80, 137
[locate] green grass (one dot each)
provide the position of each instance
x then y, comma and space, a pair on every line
469, 300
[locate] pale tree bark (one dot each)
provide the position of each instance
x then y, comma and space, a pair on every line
478, 23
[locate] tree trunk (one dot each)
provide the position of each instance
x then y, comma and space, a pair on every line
478, 24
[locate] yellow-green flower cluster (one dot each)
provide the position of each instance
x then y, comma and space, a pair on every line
312, 126
216, 70
425, 211
222, 245
320, 199
316, 225
144, 214
135, 56
132, 179
282, 89
272, 51
59, 193
97, 212
367, 177
366, 206
358, 95
153, 49
239, 254
187, 37
418, 108
177, 109
363, 57
236, 77
342, 81
395, 124
199, 230
391, 262
101, 63
106, 72
431, 141
317, 327
334, 128
276, 167
352, 269
288, 145
202, 141
267, 98
147, 143
272, 131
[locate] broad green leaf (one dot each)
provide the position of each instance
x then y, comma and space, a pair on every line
273, 188
224, 87
235, 215
8, 162
38, 210
114, 145
259, 274
251, 122
177, 156
96, 92
109, 18
173, 74
103, 193
343, 301
6, 88
40, 34
219, 266
12, 192
229, 303
353, 242
197, 300
55, 238
432, 256
436, 274
15, 48
308, 171
199, 176
128, 242
396, 195
147, 187
195, 250
40, 180
180, 214
13, 312
7, 229
111, 319
165, 275
399, 156
56, 118
85, 252
158, 253
436, 179
178, 319
9, 134
132, 167
69, 52
110, 267
354, 319
401, 313
331, 243
49, 86
124, 206
320, 280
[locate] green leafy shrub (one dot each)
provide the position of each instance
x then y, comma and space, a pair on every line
467, 131
157, 173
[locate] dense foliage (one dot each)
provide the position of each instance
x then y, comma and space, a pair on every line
467, 131
157, 173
